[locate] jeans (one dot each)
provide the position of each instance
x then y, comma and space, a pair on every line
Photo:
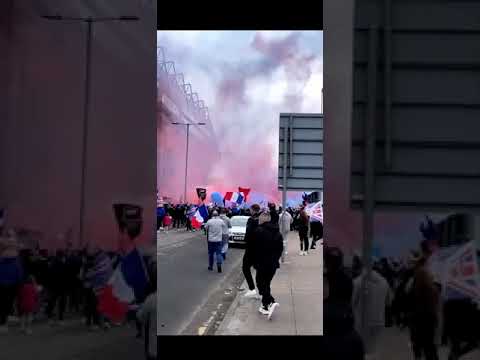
264, 279
215, 248
225, 245
60, 296
7, 299
246, 268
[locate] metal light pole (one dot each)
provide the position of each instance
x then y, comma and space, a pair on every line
186, 155
86, 106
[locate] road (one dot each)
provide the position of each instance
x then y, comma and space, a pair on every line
186, 286
71, 341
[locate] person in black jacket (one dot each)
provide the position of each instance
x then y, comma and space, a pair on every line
267, 250
252, 224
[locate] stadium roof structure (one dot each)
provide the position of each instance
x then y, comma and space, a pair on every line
177, 79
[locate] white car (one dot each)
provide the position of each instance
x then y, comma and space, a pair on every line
238, 229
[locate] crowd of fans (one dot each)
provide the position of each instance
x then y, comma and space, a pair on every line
403, 294
37, 285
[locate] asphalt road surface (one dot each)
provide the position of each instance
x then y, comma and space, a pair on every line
71, 341
185, 284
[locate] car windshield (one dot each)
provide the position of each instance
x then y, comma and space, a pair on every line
242, 222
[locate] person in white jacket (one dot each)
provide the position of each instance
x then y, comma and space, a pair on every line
380, 295
285, 221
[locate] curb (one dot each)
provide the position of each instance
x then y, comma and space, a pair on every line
231, 311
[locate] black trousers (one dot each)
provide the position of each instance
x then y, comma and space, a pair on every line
7, 299
422, 333
57, 296
246, 268
264, 279
91, 312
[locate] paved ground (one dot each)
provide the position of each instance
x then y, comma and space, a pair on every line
394, 344
185, 284
71, 341
297, 286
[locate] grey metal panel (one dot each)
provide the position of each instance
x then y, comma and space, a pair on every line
421, 15
304, 151
435, 104
422, 161
305, 134
419, 86
408, 48
303, 184
310, 121
315, 173
406, 120
305, 148
305, 160
413, 192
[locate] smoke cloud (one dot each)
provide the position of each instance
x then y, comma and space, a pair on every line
248, 87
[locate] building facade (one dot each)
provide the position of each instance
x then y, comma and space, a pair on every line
177, 103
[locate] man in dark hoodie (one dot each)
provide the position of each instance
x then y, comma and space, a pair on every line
268, 248
248, 256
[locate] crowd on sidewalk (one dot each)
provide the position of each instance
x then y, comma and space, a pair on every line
401, 294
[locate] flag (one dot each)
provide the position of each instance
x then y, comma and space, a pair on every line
462, 273
316, 212
127, 285
200, 216
244, 192
234, 197
202, 193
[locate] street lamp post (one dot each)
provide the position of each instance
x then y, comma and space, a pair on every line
86, 106
186, 154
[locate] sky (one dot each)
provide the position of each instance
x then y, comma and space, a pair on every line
247, 78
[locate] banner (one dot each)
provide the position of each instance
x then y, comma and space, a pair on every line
202, 193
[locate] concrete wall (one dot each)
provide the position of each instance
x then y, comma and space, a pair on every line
41, 131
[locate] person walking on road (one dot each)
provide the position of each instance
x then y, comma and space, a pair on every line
303, 231
268, 248
223, 216
248, 256
216, 228
285, 222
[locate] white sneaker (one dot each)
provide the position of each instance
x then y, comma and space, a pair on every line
263, 311
271, 309
300, 253
305, 253
251, 294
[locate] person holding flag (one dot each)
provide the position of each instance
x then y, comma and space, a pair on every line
129, 283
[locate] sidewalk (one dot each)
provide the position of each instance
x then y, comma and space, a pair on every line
297, 287
394, 344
